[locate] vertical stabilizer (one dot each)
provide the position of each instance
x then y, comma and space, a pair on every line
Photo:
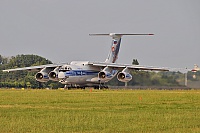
115, 46
114, 49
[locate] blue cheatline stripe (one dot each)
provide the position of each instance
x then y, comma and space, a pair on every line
81, 73
128, 76
46, 77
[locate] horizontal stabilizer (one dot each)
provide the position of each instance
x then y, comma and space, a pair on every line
115, 46
117, 34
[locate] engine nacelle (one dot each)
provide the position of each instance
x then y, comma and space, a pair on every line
53, 75
42, 77
124, 76
107, 74
104, 75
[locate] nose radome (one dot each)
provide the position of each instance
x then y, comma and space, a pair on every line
61, 75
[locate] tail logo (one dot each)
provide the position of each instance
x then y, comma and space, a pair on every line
115, 49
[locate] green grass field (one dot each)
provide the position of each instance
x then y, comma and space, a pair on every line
99, 111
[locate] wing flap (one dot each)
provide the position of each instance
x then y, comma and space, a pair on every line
150, 68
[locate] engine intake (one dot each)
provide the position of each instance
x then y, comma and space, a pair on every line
104, 75
124, 77
53, 75
107, 74
42, 77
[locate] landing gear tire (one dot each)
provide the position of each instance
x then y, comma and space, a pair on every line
83, 88
101, 87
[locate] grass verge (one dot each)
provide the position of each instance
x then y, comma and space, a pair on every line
99, 111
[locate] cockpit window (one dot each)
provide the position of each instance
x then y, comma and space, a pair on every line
65, 68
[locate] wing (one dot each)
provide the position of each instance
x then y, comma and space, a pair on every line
34, 68
122, 66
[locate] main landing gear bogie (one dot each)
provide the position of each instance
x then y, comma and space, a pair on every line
101, 87
69, 87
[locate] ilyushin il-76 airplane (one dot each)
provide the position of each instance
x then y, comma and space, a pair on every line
89, 74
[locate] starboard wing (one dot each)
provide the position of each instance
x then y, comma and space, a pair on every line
122, 66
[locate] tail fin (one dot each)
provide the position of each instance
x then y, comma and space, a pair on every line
115, 46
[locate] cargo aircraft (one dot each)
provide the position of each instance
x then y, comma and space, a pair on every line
83, 74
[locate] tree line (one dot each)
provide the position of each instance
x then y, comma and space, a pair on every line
23, 79
26, 79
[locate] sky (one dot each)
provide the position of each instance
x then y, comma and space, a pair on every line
59, 30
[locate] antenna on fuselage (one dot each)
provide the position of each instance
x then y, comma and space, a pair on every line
115, 46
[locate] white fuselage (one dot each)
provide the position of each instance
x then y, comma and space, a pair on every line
78, 72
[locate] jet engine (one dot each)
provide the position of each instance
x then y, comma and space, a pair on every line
106, 74
42, 77
124, 76
53, 75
